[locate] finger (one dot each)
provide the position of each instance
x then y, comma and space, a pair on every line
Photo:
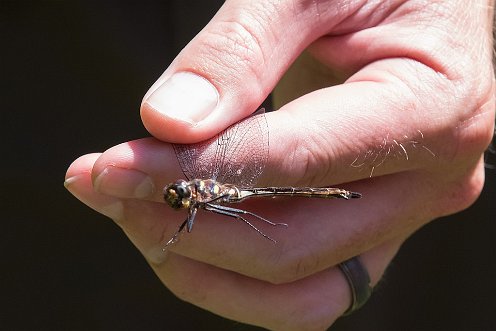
374, 125
320, 234
78, 182
231, 66
145, 232
319, 299
137, 169
392, 105
399, 111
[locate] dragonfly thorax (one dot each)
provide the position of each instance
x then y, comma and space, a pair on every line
183, 194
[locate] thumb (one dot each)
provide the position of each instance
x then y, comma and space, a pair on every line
228, 69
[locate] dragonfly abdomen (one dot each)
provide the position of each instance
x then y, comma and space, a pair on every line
308, 192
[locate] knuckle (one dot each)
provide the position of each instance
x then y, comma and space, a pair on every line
296, 264
463, 122
476, 131
472, 108
316, 311
463, 192
307, 321
235, 46
316, 160
186, 294
474, 122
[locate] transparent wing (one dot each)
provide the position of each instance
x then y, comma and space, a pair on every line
235, 156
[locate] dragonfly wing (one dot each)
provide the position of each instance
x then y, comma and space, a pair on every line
195, 159
245, 151
236, 156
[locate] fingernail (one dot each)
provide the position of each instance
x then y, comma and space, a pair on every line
80, 186
185, 96
124, 183
71, 180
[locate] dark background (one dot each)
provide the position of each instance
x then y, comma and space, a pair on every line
72, 78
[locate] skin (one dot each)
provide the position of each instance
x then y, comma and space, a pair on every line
393, 99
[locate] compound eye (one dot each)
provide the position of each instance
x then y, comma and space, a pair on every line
183, 191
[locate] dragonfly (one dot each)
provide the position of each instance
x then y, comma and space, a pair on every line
222, 171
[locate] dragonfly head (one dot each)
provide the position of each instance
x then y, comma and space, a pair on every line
178, 194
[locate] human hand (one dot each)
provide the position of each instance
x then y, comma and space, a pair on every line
407, 129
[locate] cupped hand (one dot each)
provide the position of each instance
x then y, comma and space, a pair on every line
407, 129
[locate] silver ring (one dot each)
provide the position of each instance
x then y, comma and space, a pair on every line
359, 281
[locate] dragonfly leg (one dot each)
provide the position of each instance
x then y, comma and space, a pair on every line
188, 223
175, 238
215, 209
241, 211
191, 218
